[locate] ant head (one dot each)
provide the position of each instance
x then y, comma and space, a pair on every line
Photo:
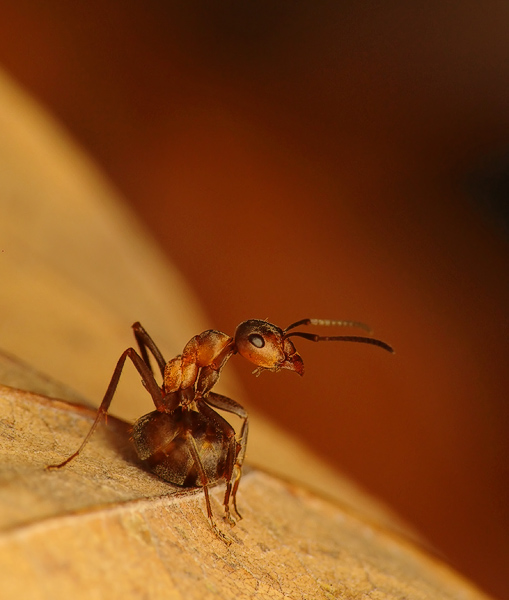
266, 346
270, 348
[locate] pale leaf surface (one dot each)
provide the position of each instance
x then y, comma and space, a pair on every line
103, 527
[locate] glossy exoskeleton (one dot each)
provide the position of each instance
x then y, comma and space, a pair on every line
185, 441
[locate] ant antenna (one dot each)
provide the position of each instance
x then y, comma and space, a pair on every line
313, 337
329, 323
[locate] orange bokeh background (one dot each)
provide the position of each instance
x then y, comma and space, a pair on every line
319, 160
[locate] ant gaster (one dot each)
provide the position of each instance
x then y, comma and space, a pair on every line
185, 441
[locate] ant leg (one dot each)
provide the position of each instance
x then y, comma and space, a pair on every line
229, 435
204, 481
148, 380
146, 342
232, 483
229, 405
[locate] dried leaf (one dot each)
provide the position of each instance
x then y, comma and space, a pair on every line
103, 527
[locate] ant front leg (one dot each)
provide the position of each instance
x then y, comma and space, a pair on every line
232, 483
148, 381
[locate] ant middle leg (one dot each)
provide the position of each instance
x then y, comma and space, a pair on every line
232, 485
148, 380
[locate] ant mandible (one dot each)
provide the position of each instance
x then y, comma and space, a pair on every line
185, 441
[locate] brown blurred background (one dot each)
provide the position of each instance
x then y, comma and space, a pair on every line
336, 160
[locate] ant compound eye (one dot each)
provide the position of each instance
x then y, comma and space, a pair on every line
257, 340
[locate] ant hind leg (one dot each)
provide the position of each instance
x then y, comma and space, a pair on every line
145, 342
148, 380
203, 477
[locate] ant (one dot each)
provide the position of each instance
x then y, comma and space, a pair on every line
185, 441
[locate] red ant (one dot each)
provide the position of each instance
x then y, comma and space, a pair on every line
185, 441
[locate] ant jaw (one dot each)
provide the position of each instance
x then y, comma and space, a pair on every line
294, 363
293, 360
291, 363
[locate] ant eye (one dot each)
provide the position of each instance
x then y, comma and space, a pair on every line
257, 340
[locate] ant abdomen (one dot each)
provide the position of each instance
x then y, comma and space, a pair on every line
167, 442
